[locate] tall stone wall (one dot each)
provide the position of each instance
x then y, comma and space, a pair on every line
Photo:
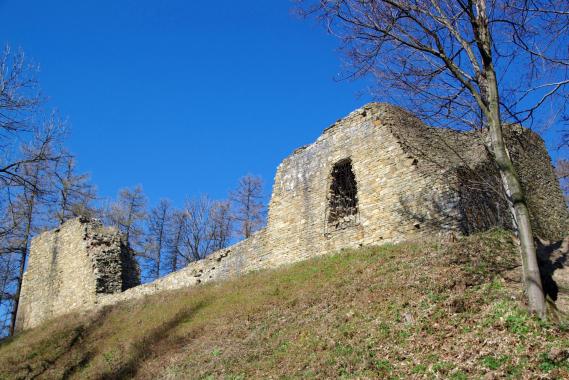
379, 175
393, 189
549, 215
398, 198
70, 268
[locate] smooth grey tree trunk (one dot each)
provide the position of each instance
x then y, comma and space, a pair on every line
516, 195
490, 105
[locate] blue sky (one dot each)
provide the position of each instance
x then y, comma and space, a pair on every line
183, 97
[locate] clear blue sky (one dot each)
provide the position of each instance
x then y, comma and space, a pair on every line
183, 97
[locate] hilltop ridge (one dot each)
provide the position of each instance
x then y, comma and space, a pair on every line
430, 309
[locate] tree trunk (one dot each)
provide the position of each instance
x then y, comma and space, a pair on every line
24, 254
159, 248
512, 186
176, 248
516, 196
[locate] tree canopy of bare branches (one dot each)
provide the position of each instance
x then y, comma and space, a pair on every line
439, 51
159, 225
221, 229
30, 152
175, 243
26, 136
208, 227
128, 214
75, 193
247, 200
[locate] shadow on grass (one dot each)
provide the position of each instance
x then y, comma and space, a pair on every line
143, 348
79, 333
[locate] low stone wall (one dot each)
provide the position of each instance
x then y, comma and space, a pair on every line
243, 257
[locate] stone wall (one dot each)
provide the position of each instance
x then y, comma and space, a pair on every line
408, 184
545, 199
70, 268
410, 181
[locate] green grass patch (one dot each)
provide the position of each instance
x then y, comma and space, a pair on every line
397, 311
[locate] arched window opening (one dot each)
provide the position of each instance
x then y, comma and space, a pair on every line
343, 196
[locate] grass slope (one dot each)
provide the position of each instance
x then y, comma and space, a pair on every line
414, 310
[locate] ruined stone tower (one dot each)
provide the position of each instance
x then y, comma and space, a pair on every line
378, 175
71, 268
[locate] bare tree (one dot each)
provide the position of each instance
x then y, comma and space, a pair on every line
30, 149
74, 192
24, 138
221, 226
248, 205
464, 63
128, 214
197, 239
157, 236
175, 243
19, 92
202, 227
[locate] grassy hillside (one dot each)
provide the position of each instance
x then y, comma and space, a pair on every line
415, 310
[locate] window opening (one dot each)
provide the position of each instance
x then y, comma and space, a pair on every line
343, 196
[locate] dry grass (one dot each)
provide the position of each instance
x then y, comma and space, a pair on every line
405, 311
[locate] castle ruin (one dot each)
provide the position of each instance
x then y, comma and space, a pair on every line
378, 175
72, 268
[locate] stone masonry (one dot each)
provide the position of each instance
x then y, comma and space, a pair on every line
378, 175
72, 268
